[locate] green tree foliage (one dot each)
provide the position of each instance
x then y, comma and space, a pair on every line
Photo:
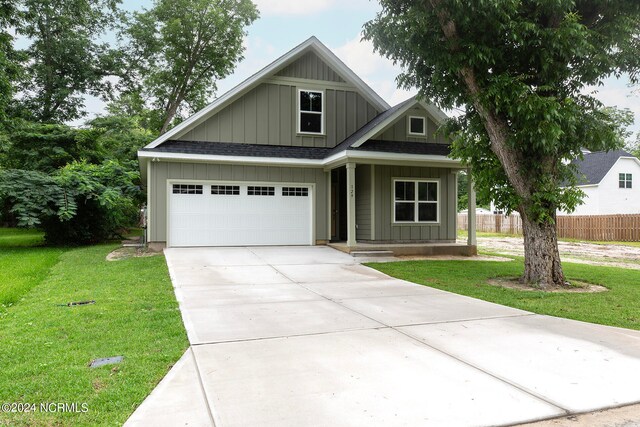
519, 67
10, 60
178, 49
66, 60
79, 204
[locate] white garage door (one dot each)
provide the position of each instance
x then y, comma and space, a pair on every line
232, 214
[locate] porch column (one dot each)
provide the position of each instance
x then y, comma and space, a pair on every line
471, 215
351, 204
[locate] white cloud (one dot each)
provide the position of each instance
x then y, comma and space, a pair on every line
293, 7
378, 72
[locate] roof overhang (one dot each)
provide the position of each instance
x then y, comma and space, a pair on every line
339, 159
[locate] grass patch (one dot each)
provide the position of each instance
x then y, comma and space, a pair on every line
22, 265
46, 348
620, 306
462, 234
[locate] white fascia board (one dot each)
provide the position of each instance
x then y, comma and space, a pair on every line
275, 161
395, 116
347, 74
269, 70
377, 155
438, 115
334, 160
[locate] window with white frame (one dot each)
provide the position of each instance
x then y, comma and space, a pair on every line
625, 180
310, 111
415, 200
417, 126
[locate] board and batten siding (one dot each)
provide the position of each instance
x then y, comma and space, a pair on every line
385, 229
399, 130
363, 202
311, 67
164, 171
268, 115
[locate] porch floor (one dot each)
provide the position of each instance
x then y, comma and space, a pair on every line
403, 249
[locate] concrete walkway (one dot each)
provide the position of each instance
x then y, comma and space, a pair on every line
305, 336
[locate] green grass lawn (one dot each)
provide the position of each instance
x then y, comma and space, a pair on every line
23, 266
46, 348
619, 306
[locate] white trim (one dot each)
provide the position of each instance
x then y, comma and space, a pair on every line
416, 202
424, 126
284, 161
148, 219
322, 112
312, 43
436, 114
311, 186
316, 84
373, 202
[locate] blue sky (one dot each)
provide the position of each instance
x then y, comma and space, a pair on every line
337, 23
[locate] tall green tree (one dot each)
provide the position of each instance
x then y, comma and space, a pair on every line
10, 59
519, 68
67, 60
179, 48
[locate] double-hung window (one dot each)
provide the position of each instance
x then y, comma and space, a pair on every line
625, 180
310, 111
415, 201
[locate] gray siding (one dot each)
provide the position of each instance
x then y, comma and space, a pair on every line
384, 227
161, 172
399, 131
310, 66
268, 115
363, 202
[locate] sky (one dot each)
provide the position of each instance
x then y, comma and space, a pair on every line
283, 24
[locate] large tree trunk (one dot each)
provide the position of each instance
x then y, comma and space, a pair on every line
542, 266
541, 257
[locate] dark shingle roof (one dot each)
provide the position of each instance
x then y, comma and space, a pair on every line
354, 137
595, 165
235, 149
405, 147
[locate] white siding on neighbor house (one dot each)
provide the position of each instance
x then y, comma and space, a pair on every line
607, 198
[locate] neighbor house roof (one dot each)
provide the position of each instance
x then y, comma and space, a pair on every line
596, 165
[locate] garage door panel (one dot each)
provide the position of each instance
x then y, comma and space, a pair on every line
240, 219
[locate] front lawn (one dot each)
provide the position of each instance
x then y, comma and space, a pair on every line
46, 347
22, 265
619, 306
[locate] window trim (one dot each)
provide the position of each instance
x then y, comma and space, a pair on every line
416, 202
625, 181
424, 126
299, 112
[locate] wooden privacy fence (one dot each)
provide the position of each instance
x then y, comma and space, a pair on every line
607, 228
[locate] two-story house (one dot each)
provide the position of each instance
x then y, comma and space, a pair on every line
303, 153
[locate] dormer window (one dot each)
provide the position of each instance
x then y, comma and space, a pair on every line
310, 114
625, 180
417, 126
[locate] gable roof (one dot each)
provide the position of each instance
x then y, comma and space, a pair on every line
311, 43
593, 168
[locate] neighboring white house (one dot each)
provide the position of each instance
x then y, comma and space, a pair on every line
611, 183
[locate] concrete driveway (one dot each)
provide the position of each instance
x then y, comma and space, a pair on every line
306, 336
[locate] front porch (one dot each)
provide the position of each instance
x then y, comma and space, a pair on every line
364, 209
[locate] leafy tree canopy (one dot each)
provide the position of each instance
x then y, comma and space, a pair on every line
520, 68
177, 51
66, 58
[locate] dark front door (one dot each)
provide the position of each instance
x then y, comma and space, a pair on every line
339, 204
